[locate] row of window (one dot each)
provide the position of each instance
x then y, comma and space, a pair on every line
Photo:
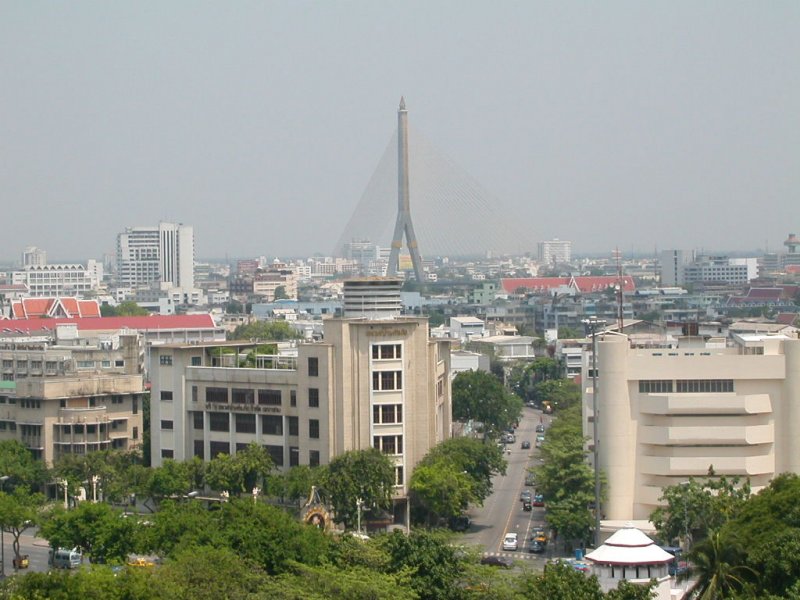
387, 413
386, 351
248, 396
246, 423
388, 444
276, 453
685, 386
387, 380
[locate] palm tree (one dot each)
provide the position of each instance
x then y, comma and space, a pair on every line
717, 564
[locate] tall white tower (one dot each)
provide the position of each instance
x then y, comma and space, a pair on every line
176, 256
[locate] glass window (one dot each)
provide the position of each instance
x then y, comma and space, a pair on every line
269, 397
313, 429
166, 424
293, 398
217, 448
219, 421
272, 424
165, 359
197, 419
242, 396
294, 456
197, 361
313, 366
276, 454
245, 423
215, 394
166, 395
313, 458
294, 426
199, 450
313, 397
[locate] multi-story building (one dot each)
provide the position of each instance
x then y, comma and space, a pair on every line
555, 252
266, 284
58, 279
676, 270
66, 394
161, 256
371, 383
667, 414
34, 257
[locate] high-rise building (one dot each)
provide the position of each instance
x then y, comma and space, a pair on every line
162, 255
555, 252
34, 257
672, 263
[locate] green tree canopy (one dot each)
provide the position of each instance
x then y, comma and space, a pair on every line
21, 468
241, 472
479, 396
270, 331
128, 308
19, 511
442, 488
366, 474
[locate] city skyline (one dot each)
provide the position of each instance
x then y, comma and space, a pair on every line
636, 126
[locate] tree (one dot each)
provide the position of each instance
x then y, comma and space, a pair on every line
481, 461
19, 511
170, 480
479, 396
718, 569
128, 308
241, 472
560, 394
525, 376
265, 330
442, 489
280, 293
561, 582
365, 474
699, 506
22, 469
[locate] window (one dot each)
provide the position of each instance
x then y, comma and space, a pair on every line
293, 398
388, 444
705, 386
135, 405
313, 366
276, 454
313, 429
294, 426
165, 359
86, 364
245, 423
166, 395
118, 363
217, 448
199, 450
387, 413
215, 394
272, 424
313, 458
197, 361
166, 424
242, 396
294, 456
386, 351
387, 380
37, 364
194, 393
219, 421
136, 433
656, 386
197, 419
398, 475
269, 397
313, 397
9, 364
167, 453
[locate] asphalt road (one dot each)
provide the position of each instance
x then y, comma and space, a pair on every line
36, 548
502, 511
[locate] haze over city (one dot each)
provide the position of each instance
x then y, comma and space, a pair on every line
624, 124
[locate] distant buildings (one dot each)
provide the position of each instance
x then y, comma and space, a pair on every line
162, 255
678, 270
34, 257
555, 252
59, 279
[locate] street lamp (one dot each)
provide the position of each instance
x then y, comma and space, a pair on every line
592, 323
3, 480
95, 480
65, 483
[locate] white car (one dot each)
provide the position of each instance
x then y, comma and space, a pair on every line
510, 541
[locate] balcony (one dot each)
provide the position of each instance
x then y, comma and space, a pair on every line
731, 435
735, 463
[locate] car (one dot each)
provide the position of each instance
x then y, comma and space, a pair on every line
536, 547
539, 535
526, 445
540, 428
460, 523
526, 495
526, 505
497, 561
538, 500
510, 542
530, 480
540, 437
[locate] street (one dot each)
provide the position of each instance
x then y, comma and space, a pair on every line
502, 511
36, 548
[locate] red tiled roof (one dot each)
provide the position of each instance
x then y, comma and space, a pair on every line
766, 293
786, 318
584, 284
148, 323
26, 308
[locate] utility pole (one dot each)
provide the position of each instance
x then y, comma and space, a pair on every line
592, 323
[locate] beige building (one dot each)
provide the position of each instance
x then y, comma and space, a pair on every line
72, 395
667, 414
370, 383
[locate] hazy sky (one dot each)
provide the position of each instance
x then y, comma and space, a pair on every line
630, 124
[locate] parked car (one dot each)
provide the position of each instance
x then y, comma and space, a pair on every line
540, 428
530, 480
510, 542
526, 445
540, 437
538, 500
536, 547
526, 505
526, 495
539, 535
497, 561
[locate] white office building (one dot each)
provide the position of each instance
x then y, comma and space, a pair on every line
161, 256
555, 252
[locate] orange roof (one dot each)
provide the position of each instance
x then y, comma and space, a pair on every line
54, 307
583, 284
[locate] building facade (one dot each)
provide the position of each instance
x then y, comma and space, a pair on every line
57, 279
555, 252
381, 384
667, 414
162, 255
72, 395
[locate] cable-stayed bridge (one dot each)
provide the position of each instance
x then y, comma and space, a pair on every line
453, 214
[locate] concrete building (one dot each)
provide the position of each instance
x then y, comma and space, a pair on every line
670, 413
34, 257
68, 394
161, 256
371, 383
372, 297
57, 279
672, 263
266, 283
466, 328
555, 252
